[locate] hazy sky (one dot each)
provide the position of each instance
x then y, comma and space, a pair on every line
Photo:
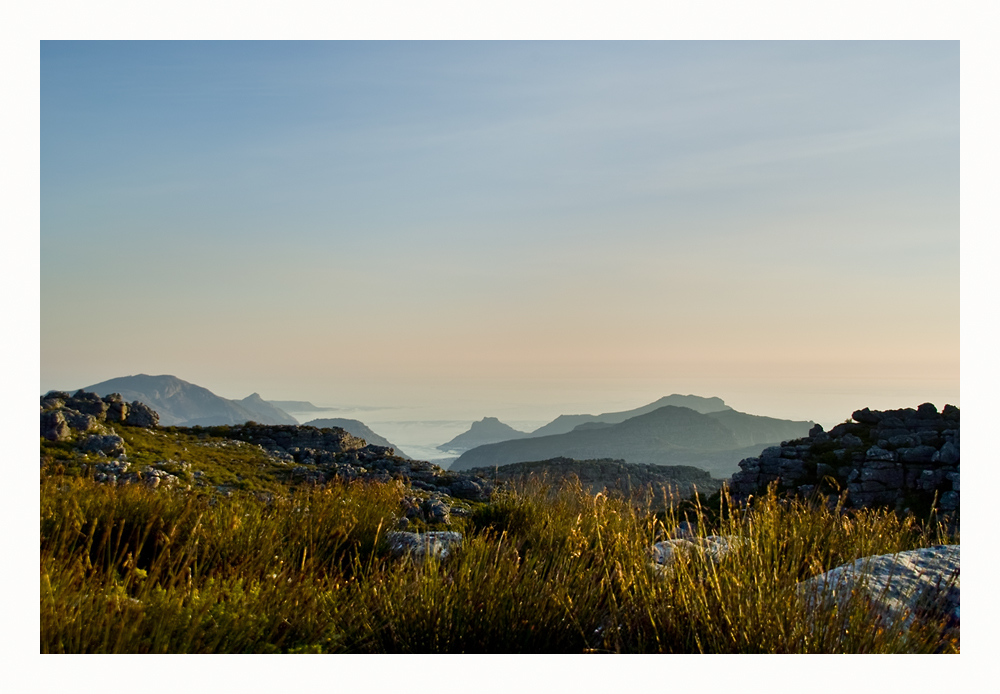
510, 229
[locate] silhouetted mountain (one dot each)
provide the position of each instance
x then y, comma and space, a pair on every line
487, 430
754, 430
184, 404
263, 411
666, 436
356, 428
565, 423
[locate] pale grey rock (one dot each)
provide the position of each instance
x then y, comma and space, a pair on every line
715, 547
901, 585
419, 546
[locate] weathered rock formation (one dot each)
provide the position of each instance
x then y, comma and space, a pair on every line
898, 458
333, 453
62, 413
607, 475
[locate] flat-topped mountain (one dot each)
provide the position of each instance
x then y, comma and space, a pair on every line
565, 423
486, 430
180, 403
356, 428
669, 435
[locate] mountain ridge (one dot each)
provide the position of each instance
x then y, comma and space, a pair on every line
181, 403
669, 435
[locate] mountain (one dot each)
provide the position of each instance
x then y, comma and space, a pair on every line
754, 430
356, 428
487, 430
298, 406
180, 403
668, 435
565, 423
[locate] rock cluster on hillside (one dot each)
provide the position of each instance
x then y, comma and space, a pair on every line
608, 474
335, 453
62, 413
893, 458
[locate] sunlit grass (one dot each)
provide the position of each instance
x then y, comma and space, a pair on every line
543, 569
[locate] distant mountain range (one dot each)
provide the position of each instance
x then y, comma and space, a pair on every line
180, 403
565, 423
715, 440
487, 430
356, 428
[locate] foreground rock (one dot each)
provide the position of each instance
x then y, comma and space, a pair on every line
899, 458
715, 548
333, 453
920, 582
419, 546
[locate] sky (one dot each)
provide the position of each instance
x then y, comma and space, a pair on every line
512, 229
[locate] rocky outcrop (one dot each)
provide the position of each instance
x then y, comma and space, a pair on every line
607, 475
62, 413
333, 453
897, 458
920, 582
357, 428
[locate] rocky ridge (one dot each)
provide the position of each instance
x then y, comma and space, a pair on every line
898, 458
62, 414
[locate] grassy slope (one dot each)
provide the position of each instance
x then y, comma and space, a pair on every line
131, 569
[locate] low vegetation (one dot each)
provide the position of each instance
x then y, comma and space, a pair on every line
544, 568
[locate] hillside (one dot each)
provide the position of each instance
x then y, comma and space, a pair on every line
566, 423
356, 428
666, 436
180, 403
606, 475
487, 430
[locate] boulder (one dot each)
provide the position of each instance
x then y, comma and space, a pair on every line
117, 412
715, 547
54, 426
79, 420
901, 586
110, 445
419, 546
142, 415
917, 454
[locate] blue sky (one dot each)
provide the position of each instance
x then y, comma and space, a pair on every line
460, 222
